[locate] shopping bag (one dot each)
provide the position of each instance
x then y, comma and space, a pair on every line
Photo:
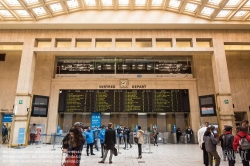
115, 151
70, 161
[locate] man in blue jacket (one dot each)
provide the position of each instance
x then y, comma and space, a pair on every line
89, 136
101, 136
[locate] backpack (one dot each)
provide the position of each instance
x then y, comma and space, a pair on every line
245, 145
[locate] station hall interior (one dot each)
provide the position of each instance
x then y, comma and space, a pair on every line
152, 63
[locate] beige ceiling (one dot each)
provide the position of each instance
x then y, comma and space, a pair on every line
189, 14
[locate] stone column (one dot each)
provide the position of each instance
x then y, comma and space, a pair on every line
23, 92
225, 113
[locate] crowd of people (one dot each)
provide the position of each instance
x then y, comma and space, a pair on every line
231, 144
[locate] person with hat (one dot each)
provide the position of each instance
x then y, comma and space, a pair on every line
101, 136
228, 145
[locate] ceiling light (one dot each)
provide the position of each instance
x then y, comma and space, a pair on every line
72, 3
216, 2
39, 11
156, 2
174, 3
123, 2
240, 13
107, 2
29, 2
5, 13
22, 13
191, 7
13, 2
90, 2
223, 13
56, 7
207, 11
140, 2
232, 2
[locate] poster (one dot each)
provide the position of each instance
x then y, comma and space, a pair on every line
95, 120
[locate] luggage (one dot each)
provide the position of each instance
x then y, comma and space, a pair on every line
115, 151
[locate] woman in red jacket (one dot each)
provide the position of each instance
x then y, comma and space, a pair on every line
245, 156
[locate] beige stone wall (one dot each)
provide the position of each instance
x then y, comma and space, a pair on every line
42, 80
9, 70
239, 75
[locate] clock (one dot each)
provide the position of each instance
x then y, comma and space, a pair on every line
123, 83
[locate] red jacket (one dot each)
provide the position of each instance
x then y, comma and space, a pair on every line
236, 144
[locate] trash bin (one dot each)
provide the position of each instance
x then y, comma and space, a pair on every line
165, 140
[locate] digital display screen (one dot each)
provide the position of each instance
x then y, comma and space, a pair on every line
207, 105
39, 111
40, 106
124, 101
207, 110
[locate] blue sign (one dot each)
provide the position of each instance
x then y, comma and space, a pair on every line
21, 134
7, 118
95, 119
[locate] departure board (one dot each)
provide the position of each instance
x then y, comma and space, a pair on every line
124, 101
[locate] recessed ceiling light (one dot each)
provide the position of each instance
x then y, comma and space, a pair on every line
56, 7
22, 13
216, 2
240, 13
123, 2
29, 2
90, 2
39, 11
223, 13
174, 3
140, 2
156, 2
72, 3
13, 2
232, 2
107, 2
5, 13
207, 11
191, 7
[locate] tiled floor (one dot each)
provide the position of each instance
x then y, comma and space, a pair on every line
164, 154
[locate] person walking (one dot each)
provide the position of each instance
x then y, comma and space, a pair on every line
119, 133
221, 139
101, 136
109, 143
228, 145
189, 133
178, 134
89, 136
33, 132
237, 145
75, 142
4, 134
210, 145
140, 135
201, 132
126, 134
155, 133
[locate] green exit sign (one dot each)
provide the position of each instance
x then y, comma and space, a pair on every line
226, 101
20, 101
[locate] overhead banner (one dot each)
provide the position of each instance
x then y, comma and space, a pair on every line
95, 120
7, 118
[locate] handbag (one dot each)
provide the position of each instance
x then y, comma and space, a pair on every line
136, 140
115, 151
71, 160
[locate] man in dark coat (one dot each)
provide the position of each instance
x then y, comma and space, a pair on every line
109, 143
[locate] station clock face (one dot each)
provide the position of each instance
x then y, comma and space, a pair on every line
124, 83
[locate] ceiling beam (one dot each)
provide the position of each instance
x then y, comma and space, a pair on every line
81, 4
99, 4
11, 11
217, 11
1, 18
200, 8
115, 4
246, 16
148, 4
165, 4
64, 6
45, 8
183, 5
25, 7
238, 8
132, 3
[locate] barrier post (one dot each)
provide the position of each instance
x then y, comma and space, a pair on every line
149, 145
118, 144
53, 141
